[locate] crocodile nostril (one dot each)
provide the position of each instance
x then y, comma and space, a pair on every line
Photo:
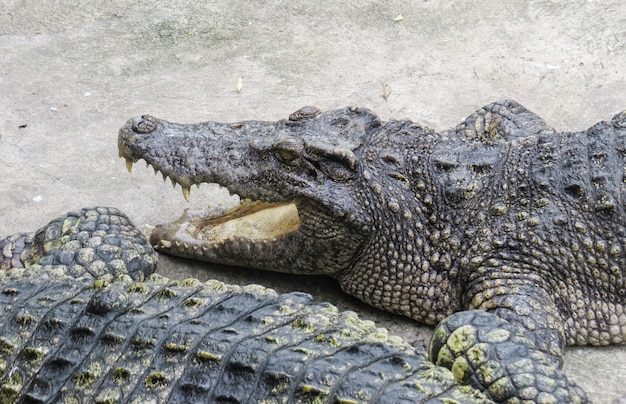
144, 124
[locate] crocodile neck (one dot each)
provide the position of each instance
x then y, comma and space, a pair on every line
409, 268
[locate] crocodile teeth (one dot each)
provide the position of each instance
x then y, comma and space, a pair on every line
166, 243
186, 193
129, 165
173, 182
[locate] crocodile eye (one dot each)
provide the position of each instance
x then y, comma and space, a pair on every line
288, 151
287, 155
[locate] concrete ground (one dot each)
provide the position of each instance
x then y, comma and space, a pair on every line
71, 75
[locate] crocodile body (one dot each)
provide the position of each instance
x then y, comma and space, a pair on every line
83, 319
501, 214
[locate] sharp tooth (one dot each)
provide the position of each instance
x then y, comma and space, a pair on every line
187, 193
147, 164
173, 182
164, 176
155, 170
166, 243
129, 165
150, 227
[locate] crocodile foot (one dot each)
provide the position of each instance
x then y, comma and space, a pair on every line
491, 354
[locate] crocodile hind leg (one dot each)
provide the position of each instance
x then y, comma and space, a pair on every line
512, 346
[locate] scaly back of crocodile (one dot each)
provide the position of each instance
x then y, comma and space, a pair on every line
551, 221
81, 324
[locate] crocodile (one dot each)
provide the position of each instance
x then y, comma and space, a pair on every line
500, 217
85, 319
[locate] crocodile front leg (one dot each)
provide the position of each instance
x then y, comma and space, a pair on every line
494, 355
511, 341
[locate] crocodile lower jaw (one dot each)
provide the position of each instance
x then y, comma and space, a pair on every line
196, 234
252, 221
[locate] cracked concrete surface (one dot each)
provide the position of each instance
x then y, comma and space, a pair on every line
71, 75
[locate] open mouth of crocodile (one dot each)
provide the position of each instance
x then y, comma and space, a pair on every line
196, 233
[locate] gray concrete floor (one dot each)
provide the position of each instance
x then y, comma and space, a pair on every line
71, 75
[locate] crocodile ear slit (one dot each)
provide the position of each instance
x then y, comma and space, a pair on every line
346, 156
342, 155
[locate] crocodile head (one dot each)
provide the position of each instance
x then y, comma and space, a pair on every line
297, 179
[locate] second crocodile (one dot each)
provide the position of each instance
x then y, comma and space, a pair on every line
84, 320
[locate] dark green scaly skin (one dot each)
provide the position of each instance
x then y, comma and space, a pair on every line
501, 214
83, 320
